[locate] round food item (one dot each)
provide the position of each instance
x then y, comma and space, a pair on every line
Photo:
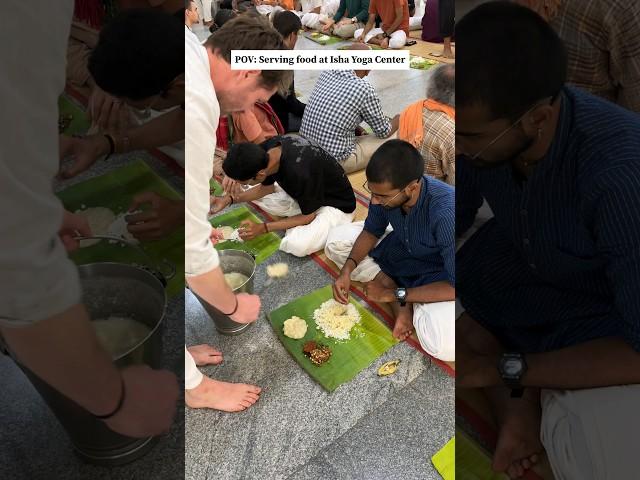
335, 319
295, 327
235, 279
278, 270
388, 368
309, 347
320, 355
119, 228
100, 220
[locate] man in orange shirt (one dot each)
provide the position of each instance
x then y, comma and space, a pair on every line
395, 24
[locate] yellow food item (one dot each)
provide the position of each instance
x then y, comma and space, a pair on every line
295, 327
278, 270
388, 368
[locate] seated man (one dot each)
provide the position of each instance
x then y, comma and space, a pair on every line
288, 108
550, 284
351, 15
312, 191
393, 31
429, 125
316, 13
417, 259
338, 103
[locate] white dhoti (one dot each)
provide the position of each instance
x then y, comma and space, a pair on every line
398, 38
592, 434
192, 376
315, 21
338, 248
415, 23
435, 325
305, 239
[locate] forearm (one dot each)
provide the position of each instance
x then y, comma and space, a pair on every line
396, 23
163, 130
598, 363
361, 248
254, 193
64, 352
370, 23
290, 222
434, 292
213, 288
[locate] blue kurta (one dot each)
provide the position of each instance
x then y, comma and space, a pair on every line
421, 248
559, 264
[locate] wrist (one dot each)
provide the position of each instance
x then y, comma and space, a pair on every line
102, 145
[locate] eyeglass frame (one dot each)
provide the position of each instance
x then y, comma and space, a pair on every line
366, 183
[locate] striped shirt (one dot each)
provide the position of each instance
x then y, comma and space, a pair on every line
602, 38
421, 248
559, 264
438, 146
339, 103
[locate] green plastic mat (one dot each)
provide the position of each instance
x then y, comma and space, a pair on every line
471, 461
421, 63
261, 247
115, 190
369, 340
79, 123
215, 188
445, 460
370, 45
313, 36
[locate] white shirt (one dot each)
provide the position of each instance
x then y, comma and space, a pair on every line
308, 5
37, 279
202, 113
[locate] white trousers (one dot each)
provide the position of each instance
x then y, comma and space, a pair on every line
192, 376
398, 38
305, 239
204, 9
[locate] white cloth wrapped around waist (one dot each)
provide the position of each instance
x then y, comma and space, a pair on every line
435, 325
592, 434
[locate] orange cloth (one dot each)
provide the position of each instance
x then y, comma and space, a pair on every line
286, 4
256, 125
410, 128
387, 11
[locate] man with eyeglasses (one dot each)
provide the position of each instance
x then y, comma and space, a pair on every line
550, 283
414, 267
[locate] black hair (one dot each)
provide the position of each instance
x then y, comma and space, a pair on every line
139, 53
244, 161
222, 17
397, 162
187, 4
509, 59
286, 22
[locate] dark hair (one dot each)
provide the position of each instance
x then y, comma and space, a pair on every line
222, 17
139, 53
511, 59
187, 4
286, 22
248, 32
397, 162
244, 161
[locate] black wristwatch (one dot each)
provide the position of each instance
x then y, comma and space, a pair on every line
512, 367
401, 296
386, 35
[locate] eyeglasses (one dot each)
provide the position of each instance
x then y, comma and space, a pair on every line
508, 129
365, 185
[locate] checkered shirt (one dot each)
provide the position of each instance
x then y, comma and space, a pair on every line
339, 102
438, 146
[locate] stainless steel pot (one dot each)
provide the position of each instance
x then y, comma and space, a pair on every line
112, 289
232, 261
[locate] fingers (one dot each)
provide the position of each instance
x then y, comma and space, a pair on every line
142, 217
144, 197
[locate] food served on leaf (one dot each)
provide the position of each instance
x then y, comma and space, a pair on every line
336, 320
278, 270
318, 354
295, 327
309, 347
420, 62
388, 368
230, 234
103, 221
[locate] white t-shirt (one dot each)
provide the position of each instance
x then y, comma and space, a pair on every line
202, 113
308, 5
37, 279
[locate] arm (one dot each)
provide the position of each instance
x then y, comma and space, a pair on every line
367, 28
220, 203
290, 222
361, 248
341, 9
396, 23
363, 14
371, 112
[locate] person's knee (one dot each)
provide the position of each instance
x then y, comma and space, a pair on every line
435, 328
398, 41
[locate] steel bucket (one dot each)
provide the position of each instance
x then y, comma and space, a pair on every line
119, 290
232, 261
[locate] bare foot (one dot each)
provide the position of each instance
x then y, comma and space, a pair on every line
519, 446
205, 355
228, 397
403, 327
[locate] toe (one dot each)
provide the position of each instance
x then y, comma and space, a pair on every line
253, 396
253, 389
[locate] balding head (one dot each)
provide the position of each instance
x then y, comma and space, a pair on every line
441, 84
360, 46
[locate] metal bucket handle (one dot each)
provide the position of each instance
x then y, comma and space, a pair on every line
155, 268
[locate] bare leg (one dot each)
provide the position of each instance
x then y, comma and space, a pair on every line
205, 355
447, 51
228, 397
403, 327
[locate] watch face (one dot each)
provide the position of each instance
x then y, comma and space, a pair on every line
512, 366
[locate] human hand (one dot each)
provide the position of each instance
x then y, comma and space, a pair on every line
249, 230
164, 217
341, 288
218, 204
216, 235
83, 152
107, 112
149, 404
248, 308
73, 225
230, 186
384, 43
327, 26
360, 38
